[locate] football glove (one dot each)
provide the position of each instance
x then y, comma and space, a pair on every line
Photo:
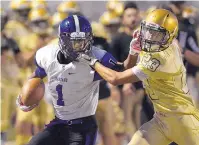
135, 46
87, 59
22, 106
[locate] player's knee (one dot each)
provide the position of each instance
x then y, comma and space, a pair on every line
127, 92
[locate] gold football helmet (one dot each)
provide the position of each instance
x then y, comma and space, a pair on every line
190, 12
38, 4
21, 9
19, 4
38, 14
109, 18
115, 6
68, 7
158, 30
98, 30
57, 18
39, 20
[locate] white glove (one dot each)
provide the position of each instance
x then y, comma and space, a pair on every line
135, 46
22, 106
88, 59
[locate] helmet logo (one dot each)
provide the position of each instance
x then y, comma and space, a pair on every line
76, 35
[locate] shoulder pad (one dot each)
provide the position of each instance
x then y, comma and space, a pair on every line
46, 55
98, 53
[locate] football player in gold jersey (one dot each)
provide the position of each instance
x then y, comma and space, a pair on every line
39, 23
18, 26
33, 121
69, 7
111, 23
164, 76
10, 60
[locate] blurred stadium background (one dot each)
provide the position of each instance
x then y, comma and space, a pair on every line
118, 117
94, 9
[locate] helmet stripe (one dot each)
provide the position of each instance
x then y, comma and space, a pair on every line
76, 23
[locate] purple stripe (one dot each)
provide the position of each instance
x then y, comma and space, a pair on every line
39, 72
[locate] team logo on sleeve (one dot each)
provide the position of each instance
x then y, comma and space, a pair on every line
150, 63
112, 62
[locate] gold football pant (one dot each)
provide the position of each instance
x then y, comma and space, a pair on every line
165, 128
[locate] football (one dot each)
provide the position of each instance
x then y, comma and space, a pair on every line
33, 92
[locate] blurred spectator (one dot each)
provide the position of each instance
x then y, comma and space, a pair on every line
121, 41
9, 43
10, 57
18, 25
69, 7
30, 37
177, 8
111, 22
109, 115
188, 41
55, 21
115, 7
17, 28
39, 4
39, 22
120, 50
104, 113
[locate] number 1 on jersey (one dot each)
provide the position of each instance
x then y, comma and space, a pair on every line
60, 101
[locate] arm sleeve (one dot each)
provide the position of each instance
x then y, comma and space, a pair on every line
40, 65
139, 73
105, 59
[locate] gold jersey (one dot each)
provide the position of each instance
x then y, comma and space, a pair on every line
15, 29
165, 83
29, 42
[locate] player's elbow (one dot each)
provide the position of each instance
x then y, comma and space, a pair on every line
114, 80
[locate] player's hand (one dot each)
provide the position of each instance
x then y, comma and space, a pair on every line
87, 59
135, 46
22, 106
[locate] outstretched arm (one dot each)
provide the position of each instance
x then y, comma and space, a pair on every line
114, 77
130, 61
